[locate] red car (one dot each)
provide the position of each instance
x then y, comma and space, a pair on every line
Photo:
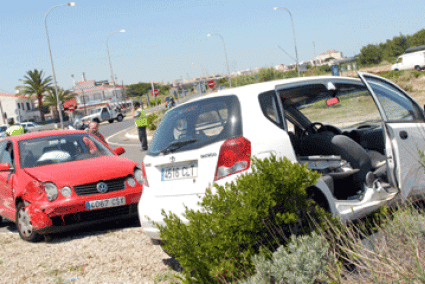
54, 181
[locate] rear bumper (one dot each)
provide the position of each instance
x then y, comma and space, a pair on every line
150, 207
88, 218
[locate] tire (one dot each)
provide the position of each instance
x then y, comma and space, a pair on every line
119, 118
23, 223
110, 120
417, 68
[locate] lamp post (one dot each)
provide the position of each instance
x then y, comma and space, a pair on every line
110, 65
225, 55
51, 60
293, 32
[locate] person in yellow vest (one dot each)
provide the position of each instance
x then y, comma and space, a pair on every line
141, 121
14, 129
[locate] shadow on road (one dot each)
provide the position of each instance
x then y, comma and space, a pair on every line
99, 229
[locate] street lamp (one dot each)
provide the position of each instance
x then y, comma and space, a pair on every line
51, 60
225, 54
110, 65
293, 32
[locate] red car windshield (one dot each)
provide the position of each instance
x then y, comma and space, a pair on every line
60, 149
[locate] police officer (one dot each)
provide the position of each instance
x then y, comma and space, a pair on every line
14, 129
141, 121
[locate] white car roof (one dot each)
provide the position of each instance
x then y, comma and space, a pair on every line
247, 91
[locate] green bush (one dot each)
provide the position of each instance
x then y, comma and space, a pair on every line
304, 260
151, 124
235, 221
152, 101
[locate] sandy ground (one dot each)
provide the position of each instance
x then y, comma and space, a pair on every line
113, 255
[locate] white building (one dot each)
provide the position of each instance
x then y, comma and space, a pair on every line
21, 108
327, 56
93, 92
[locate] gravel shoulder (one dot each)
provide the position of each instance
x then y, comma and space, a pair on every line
113, 255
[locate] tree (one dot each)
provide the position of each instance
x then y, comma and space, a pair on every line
51, 100
370, 54
36, 85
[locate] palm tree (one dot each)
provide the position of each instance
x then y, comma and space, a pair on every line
36, 85
51, 100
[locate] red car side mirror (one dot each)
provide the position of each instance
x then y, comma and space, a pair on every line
118, 151
4, 167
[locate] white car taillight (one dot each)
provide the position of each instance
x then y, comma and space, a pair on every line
234, 157
140, 175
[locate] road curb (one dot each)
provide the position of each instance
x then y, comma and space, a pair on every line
136, 137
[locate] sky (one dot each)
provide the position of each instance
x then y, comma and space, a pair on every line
167, 40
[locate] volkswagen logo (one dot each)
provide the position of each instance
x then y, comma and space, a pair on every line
172, 159
102, 187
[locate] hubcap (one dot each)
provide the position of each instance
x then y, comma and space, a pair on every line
24, 221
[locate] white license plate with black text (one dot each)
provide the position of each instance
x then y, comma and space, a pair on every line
105, 203
179, 172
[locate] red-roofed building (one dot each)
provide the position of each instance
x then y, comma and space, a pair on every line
21, 108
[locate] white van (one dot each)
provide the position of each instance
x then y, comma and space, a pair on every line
414, 60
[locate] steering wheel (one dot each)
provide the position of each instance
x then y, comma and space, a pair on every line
313, 129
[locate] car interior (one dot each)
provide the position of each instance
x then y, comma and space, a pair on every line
331, 128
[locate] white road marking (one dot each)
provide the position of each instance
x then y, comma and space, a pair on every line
120, 144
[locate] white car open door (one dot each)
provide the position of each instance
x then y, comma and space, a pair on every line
404, 129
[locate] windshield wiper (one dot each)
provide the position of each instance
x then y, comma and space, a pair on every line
177, 144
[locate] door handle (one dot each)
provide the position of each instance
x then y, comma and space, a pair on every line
403, 135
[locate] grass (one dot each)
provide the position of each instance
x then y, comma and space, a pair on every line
392, 252
164, 276
359, 108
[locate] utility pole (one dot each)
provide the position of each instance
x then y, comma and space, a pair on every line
314, 60
153, 92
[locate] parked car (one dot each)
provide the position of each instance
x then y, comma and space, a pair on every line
3, 130
106, 113
169, 102
413, 60
30, 126
363, 135
55, 181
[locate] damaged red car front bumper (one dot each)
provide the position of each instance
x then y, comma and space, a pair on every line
64, 215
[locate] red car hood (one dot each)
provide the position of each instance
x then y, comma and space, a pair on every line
85, 171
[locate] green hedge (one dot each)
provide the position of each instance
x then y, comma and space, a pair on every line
259, 210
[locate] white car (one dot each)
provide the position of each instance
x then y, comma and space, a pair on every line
363, 135
30, 126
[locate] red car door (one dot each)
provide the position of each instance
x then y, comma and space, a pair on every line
7, 205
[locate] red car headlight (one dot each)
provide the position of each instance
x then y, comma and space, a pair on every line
51, 190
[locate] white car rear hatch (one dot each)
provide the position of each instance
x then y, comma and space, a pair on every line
184, 154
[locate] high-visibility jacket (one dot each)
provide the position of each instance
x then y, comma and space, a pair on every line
15, 130
140, 118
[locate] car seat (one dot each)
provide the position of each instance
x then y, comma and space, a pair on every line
327, 143
29, 160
